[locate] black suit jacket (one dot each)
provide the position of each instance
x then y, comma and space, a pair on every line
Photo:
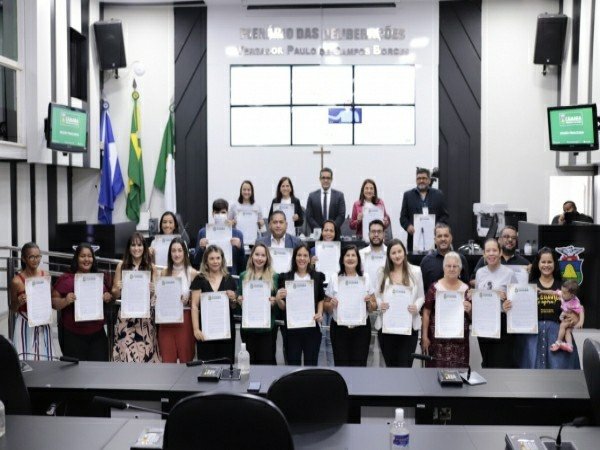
314, 209
413, 204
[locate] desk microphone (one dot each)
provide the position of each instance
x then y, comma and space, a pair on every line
449, 378
212, 374
559, 444
120, 404
69, 359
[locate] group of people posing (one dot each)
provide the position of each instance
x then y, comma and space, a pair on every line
142, 340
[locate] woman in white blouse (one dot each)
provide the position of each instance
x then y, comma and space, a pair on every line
397, 348
350, 342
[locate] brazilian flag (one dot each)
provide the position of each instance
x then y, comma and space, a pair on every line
135, 187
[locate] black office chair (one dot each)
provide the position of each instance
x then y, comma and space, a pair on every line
311, 396
591, 369
226, 421
13, 391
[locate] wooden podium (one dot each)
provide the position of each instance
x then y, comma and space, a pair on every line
587, 262
112, 239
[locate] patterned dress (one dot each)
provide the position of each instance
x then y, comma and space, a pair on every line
136, 340
456, 350
37, 341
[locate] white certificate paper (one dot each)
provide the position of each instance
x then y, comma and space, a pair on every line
288, 210
169, 307
89, 288
281, 258
256, 308
523, 316
520, 273
328, 254
352, 309
135, 295
449, 315
370, 213
486, 314
160, 244
246, 221
300, 304
372, 263
214, 314
397, 319
39, 303
424, 232
220, 235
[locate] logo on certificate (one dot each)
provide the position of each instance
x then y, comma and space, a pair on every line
570, 263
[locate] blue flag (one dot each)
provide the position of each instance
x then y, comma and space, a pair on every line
111, 180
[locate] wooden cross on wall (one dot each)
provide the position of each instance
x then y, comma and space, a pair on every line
322, 153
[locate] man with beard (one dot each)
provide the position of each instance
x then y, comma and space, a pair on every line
432, 266
422, 199
508, 241
373, 256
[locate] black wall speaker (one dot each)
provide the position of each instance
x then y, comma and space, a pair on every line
109, 43
550, 39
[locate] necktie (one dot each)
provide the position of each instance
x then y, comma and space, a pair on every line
325, 205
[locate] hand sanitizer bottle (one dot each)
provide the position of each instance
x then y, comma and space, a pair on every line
399, 434
244, 360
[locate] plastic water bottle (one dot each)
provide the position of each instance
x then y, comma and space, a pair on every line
2, 419
399, 434
244, 360
527, 248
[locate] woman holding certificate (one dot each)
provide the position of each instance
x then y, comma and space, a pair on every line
366, 207
79, 295
176, 340
490, 325
245, 201
32, 342
301, 295
285, 195
446, 318
256, 293
330, 233
135, 330
351, 299
400, 297
213, 300
534, 349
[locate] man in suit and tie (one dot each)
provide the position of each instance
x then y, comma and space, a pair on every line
277, 236
325, 203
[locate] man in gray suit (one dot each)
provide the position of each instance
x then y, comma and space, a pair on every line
276, 236
325, 203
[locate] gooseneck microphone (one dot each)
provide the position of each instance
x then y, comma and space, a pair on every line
120, 404
577, 422
69, 359
434, 358
223, 374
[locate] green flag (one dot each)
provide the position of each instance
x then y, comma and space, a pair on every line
164, 180
136, 193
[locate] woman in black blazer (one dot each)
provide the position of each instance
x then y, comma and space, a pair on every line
285, 194
299, 341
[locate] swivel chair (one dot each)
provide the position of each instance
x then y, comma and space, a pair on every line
311, 396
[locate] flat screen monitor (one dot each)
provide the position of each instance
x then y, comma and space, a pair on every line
67, 128
573, 128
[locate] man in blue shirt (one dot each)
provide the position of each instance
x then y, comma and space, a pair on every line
422, 199
219, 213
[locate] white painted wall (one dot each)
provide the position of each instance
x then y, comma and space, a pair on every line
392, 167
515, 161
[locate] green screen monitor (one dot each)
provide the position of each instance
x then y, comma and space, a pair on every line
67, 129
573, 128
